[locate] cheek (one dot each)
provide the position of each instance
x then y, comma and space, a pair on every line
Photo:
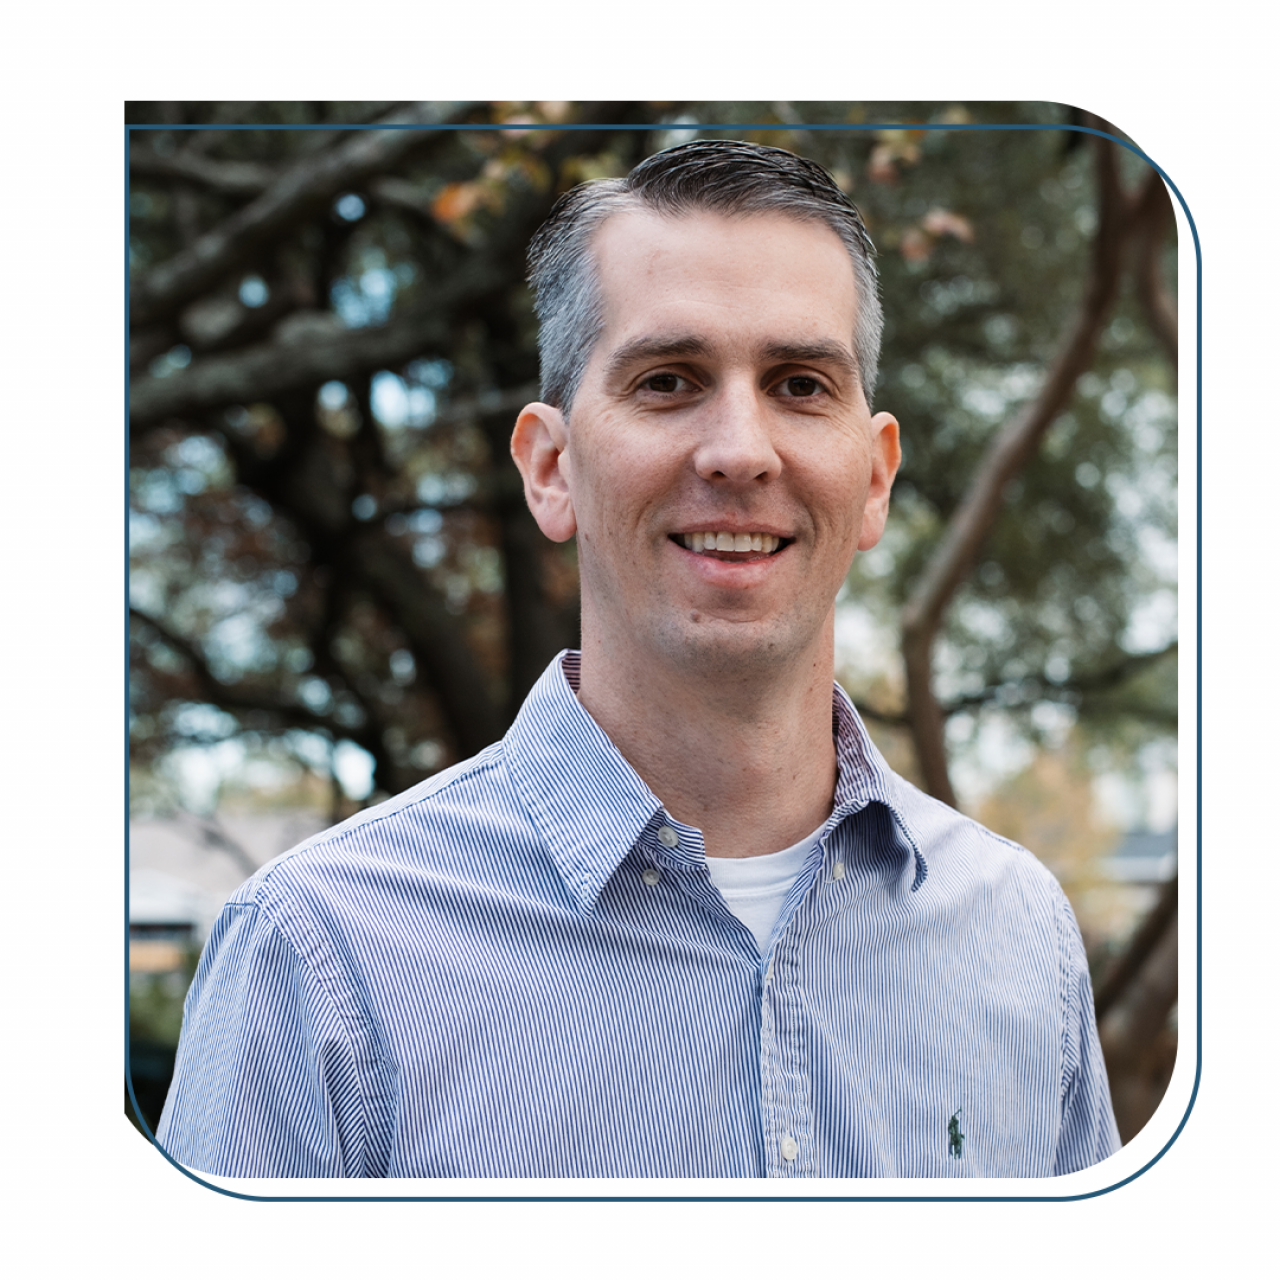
603, 512
619, 491
841, 502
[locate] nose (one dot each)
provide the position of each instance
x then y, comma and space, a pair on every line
736, 445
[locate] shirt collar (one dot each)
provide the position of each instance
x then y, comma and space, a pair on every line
864, 776
591, 807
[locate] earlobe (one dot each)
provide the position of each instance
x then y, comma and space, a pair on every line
886, 455
539, 446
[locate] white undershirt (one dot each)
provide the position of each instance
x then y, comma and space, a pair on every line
754, 889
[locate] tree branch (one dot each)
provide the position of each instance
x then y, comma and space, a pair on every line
303, 187
240, 697
267, 370
226, 177
435, 640
1036, 689
1139, 1057
244, 178
1007, 454
881, 715
1032, 690
304, 481
484, 403
1126, 966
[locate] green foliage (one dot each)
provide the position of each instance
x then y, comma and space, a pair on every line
344, 556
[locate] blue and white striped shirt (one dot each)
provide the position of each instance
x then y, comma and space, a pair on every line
520, 968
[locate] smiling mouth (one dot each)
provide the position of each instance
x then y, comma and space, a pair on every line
732, 546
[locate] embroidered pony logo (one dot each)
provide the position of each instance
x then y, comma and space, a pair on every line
955, 1139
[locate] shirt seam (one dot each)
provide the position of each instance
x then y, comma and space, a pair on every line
277, 926
1069, 980
488, 761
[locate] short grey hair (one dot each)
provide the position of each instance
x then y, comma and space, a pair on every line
718, 176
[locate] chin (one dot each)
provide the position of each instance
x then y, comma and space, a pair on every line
728, 648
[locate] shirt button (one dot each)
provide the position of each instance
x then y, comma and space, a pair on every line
788, 1147
837, 872
650, 877
667, 836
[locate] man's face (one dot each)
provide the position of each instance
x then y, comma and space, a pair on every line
721, 398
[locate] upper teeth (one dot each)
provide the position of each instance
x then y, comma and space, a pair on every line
766, 542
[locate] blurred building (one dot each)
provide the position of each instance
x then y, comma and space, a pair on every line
182, 868
1145, 858
1137, 869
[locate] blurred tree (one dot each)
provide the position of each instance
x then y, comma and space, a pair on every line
1049, 806
331, 343
330, 337
1137, 1009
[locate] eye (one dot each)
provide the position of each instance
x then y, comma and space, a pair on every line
799, 387
665, 384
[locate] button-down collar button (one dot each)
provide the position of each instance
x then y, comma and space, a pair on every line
667, 836
788, 1147
650, 877
837, 872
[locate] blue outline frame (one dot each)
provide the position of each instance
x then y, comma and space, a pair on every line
723, 128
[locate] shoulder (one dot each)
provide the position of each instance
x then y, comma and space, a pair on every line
953, 852
448, 827
960, 845
1006, 904
976, 873
389, 892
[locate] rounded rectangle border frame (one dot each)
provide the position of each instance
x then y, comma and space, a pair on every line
1164, 1127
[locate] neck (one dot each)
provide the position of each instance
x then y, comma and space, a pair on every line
744, 754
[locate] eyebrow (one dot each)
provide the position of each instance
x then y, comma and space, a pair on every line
646, 348
813, 353
651, 348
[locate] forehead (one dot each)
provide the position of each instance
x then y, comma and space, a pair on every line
764, 277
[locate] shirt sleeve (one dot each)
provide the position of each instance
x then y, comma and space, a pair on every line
1088, 1134
266, 1082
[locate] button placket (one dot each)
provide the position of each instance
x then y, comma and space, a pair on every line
770, 1104
775, 1109
784, 1112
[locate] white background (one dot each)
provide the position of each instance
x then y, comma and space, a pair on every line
84, 1193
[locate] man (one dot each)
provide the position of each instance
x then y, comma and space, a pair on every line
683, 920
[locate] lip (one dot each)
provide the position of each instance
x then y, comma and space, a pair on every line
732, 574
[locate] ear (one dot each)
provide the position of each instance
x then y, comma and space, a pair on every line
886, 454
539, 445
